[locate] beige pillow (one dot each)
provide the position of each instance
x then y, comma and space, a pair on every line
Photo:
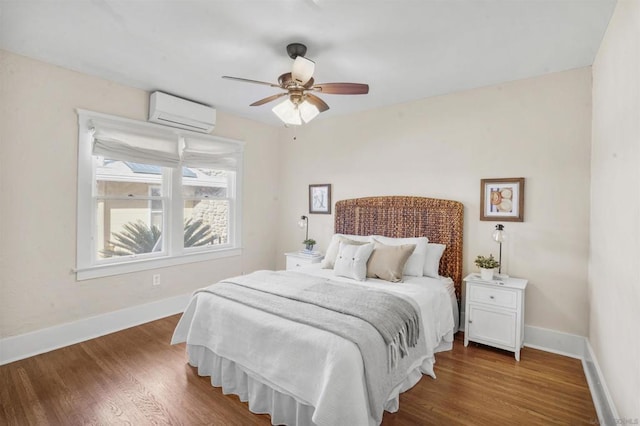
387, 262
415, 263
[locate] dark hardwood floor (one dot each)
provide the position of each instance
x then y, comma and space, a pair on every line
135, 377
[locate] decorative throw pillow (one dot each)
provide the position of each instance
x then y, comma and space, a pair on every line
387, 262
351, 261
332, 251
432, 264
415, 263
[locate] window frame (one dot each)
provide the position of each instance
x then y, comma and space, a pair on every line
88, 267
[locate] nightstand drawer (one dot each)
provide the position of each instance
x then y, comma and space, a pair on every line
493, 296
295, 260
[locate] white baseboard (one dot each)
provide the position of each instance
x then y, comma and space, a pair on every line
22, 346
606, 409
557, 342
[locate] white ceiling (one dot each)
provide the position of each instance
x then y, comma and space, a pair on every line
403, 49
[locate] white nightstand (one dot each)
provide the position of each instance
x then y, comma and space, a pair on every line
296, 260
494, 312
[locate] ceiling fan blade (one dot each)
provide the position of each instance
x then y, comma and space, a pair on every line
317, 102
268, 99
246, 80
342, 88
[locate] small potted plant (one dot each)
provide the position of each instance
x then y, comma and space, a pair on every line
309, 243
487, 266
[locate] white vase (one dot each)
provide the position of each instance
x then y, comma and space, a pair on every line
486, 274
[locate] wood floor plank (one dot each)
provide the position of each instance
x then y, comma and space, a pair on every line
135, 377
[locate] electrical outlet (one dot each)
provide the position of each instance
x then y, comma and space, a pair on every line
156, 279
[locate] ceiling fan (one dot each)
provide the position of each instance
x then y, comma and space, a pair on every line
301, 104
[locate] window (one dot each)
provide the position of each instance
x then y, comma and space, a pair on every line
129, 208
152, 196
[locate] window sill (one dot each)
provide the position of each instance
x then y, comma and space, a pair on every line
147, 264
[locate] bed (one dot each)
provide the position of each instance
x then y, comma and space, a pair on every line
301, 373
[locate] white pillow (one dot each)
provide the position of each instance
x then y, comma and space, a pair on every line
432, 264
415, 264
351, 261
334, 245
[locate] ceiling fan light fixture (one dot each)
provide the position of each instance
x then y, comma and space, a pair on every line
302, 69
288, 113
308, 111
299, 86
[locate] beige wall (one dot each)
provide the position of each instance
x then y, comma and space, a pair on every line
614, 280
441, 147
38, 168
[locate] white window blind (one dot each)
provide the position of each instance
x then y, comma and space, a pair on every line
220, 154
119, 143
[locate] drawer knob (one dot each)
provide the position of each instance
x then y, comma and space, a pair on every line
491, 297
470, 321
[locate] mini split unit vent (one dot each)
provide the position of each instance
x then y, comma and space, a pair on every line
176, 112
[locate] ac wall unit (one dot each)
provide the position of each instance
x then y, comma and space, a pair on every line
177, 112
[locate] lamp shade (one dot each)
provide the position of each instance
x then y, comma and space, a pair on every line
293, 114
499, 234
304, 223
288, 113
302, 69
308, 111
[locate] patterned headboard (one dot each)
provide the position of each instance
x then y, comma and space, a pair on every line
399, 217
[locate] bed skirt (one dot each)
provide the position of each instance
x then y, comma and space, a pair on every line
263, 398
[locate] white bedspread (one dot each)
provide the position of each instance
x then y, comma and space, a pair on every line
315, 367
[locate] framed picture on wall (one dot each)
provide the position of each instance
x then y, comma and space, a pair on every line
502, 199
320, 198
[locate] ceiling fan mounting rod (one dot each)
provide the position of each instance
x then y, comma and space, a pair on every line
296, 49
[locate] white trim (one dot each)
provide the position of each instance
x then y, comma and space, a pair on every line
605, 407
22, 346
556, 342
110, 269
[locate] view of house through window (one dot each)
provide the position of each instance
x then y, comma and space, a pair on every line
205, 202
131, 205
130, 208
